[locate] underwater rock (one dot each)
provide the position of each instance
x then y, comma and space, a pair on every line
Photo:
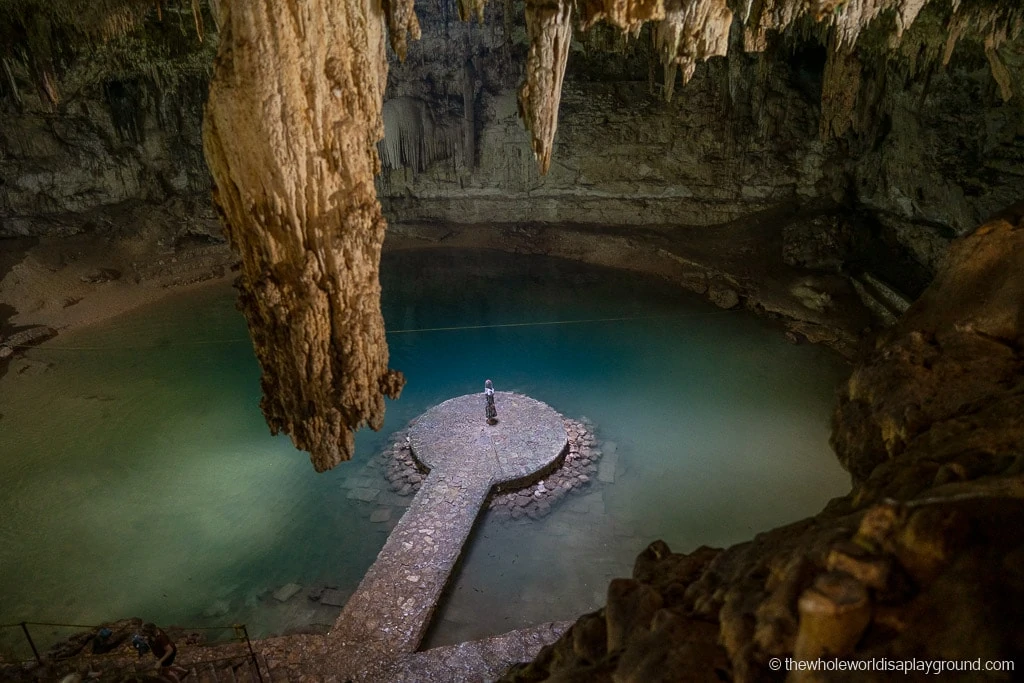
287, 591
333, 597
380, 515
217, 609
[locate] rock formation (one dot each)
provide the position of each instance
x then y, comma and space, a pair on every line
402, 24
292, 123
946, 381
923, 559
549, 24
689, 31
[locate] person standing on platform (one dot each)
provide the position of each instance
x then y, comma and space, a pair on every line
489, 410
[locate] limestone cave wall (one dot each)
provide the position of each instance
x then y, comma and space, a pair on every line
927, 150
93, 129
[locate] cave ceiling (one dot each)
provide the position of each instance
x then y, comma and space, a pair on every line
295, 113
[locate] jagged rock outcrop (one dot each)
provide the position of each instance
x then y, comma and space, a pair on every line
923, 560
292, 124
948, 378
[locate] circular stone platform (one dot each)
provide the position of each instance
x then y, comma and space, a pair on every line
454, 437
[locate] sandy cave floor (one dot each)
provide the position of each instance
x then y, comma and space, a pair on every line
67, 283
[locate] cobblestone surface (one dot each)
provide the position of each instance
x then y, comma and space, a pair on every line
315, 658
453, 437
586, 461
391, 609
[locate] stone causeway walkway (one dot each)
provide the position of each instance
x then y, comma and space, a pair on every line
377, 635
467, 457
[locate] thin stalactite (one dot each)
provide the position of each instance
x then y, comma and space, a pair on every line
402, 25
549, 25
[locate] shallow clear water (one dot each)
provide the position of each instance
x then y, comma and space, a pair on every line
139, 478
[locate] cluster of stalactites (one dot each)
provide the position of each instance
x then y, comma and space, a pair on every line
402, 24
687, 32
39, 31
690, 33
996, 28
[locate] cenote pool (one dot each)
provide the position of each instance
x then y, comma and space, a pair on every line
139, 478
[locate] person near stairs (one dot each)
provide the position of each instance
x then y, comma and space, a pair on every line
160, 644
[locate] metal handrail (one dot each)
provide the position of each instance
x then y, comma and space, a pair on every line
183, 628
240, 630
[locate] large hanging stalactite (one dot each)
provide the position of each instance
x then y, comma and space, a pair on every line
292, 123
549, 24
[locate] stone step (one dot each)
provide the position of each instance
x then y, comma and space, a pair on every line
879, 308
894, 300
233, 671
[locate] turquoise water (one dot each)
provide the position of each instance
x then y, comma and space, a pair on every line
139, 478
